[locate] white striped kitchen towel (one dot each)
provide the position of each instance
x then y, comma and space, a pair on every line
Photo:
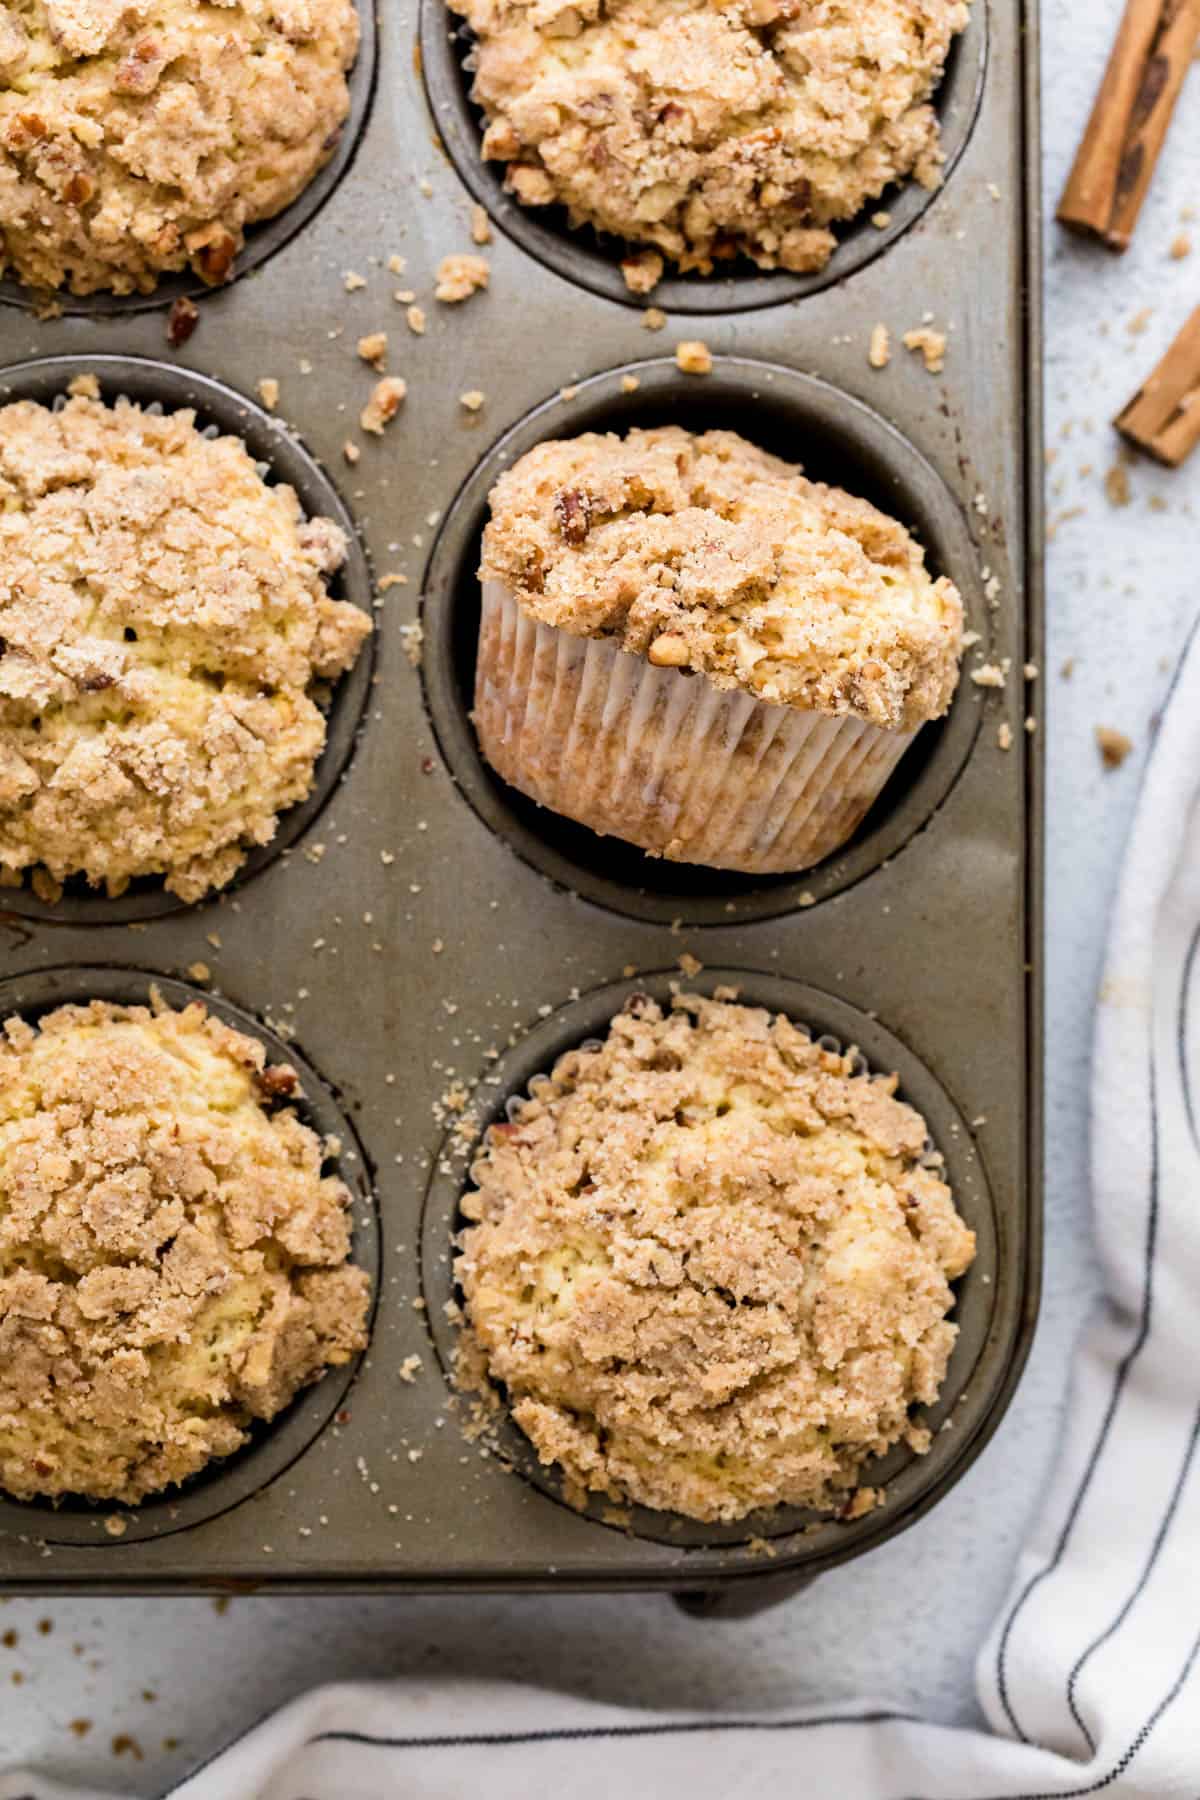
1091, 1676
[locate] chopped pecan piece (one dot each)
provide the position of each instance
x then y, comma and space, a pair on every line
138, 73
182, 320
212, 249
275, 1082
574, 513
78, 188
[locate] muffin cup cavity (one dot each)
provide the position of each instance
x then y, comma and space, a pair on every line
836, 439
911, 1480
593, 261
264, 239
283, 459
271, 1447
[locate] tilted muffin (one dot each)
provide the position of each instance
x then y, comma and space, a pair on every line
687, 644
164, 626
144, 137
711, 1265
173, 1262
711, 130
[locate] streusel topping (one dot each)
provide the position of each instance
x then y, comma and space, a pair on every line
173, 1262
715, 129
756, 577
710, 1264
142, 137
164, 620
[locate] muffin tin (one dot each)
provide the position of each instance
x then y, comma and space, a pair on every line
426, 941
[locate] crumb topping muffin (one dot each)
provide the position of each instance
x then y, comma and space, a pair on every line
711, 1265
144, 137
164, 623
707, 131
173, 1263
705, 553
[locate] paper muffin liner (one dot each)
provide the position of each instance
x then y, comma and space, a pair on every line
661, 757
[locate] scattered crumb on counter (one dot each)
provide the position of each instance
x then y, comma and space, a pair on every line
1181, 246
415, 319
653, 319
472, 400
268, 392
879, 352
352, 281
351, 451
396, 265
1113, 746
1116, 485
481, 230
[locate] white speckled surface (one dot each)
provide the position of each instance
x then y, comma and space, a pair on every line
905, 1622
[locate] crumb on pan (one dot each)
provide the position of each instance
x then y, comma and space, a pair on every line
165, 622
712, 131
930, 345
141, 139
800, 593
693, 357
387, 397
459, 276
710, 1265
173, 1262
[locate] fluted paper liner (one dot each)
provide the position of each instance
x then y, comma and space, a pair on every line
664, 759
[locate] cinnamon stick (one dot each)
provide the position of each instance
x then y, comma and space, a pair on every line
1128, 126
1163, 418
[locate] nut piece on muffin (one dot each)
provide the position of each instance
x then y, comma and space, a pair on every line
165, 628
173, 1262
714, 130
140, 139
687, 644
710, 1265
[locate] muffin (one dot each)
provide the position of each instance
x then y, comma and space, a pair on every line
687, 644
140, 139
711, 131
173, 1262
709, 1265
165, 628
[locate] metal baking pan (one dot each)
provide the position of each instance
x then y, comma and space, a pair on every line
418, 928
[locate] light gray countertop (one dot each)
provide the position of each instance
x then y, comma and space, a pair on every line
904, 1623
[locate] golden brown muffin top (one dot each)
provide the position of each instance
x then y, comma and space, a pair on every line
710, 1264
143, 136
707, 553
164, 623
173, 1261
710, 130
